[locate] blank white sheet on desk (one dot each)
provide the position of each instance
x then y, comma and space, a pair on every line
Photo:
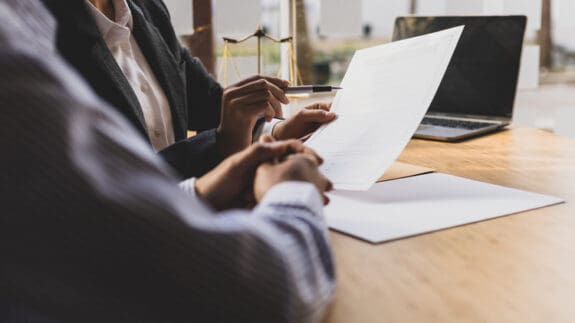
386, 91
425, 203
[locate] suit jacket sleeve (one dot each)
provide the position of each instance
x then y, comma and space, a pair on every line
204, 95
195, 156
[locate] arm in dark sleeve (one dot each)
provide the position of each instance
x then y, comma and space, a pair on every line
195, 156
204, 95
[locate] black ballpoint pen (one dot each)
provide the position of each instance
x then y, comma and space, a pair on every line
310, 89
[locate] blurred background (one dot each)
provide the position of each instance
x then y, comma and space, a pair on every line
327, 32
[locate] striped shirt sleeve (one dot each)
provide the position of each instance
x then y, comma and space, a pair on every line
94, 227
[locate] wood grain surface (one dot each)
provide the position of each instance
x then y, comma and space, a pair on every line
518, 268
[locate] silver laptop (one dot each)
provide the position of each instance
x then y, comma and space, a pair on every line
477, 93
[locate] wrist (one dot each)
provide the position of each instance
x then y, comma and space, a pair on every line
199, 189
277, 130
206, 190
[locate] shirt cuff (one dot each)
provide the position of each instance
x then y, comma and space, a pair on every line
266, 128
189, 187
297, 194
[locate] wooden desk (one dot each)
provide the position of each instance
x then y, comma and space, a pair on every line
519, 268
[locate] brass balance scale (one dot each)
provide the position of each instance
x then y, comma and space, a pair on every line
294, 74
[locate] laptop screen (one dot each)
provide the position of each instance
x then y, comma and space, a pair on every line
482, 76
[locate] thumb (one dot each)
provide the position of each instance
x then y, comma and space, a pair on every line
266, 139
326, 106
317, 115
262, 152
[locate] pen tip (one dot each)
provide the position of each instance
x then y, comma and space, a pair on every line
336, 87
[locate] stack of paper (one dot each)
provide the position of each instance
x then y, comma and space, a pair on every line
420, 204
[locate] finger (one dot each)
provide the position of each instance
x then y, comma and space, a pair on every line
316, 116
254, 97
267, 139
329, 185
326, 106
276, 105
277, 81
288, 147
258, 85
257, 154
309, 158
246, 81
306, 150
254, 86
325, 199
262, 152
319, 106
260, 98
269, 112
297, 149
306, 137
277, 91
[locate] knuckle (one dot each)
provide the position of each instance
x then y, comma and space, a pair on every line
259, 148
231, 102
226, 94
310, 162
304, 161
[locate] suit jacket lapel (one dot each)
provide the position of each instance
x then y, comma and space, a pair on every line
164, 64
103, 58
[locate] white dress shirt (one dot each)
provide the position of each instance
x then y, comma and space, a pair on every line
119, 38
95, 228
156, 109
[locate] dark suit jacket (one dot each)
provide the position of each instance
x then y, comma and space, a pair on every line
194, 96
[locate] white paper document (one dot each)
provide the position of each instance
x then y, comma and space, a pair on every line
415, 205
386, 91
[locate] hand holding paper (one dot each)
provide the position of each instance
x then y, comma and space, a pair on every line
386, 91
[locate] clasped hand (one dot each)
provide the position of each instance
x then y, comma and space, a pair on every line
244, 178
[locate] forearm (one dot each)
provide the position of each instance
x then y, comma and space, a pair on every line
296, 210
280, 255
204, 95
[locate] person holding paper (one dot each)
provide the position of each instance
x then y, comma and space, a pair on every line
94, 229
128, 52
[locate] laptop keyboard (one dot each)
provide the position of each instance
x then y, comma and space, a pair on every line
459, 124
